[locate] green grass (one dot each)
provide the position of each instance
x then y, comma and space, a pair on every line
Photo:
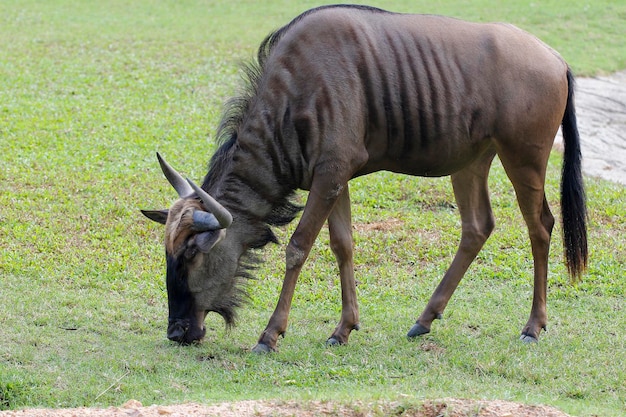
90, 90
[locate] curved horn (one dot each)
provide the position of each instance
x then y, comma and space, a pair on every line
204, 221
178, 182
222, 215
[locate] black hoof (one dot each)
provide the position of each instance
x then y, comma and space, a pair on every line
333, 342
262, 348
417, 330
528, 339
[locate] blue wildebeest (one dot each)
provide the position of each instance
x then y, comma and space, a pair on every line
344, 91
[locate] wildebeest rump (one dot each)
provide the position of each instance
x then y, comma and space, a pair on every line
343, 91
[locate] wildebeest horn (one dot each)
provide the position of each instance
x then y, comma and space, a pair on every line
204, 221
181, 186
222, 215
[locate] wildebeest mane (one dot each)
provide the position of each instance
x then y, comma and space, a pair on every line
274, 37
237, 107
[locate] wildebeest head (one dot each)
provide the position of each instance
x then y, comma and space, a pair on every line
201, 260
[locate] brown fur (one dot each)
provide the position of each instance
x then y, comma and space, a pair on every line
179, 221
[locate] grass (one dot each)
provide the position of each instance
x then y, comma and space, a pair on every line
89, 91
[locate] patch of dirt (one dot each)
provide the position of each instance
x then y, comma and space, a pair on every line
383, 226
601, 114
436, 408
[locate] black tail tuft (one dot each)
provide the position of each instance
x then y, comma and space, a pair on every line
573, 200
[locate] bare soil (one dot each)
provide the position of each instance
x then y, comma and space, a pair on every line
436, 408
601, 108
601, 113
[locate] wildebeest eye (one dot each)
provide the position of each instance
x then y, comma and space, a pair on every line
191, 251
205, 241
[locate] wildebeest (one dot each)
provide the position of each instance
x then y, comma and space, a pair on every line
344, 91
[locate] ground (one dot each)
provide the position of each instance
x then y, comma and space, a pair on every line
601, 112
601, 109
435, 408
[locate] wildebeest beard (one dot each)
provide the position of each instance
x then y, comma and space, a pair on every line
181, 301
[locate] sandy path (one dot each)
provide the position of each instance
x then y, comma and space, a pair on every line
437, 408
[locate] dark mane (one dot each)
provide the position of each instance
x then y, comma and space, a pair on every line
237, 107
274, 37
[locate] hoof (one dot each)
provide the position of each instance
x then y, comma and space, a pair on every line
417, 330
262, 348
528, 339
333, 342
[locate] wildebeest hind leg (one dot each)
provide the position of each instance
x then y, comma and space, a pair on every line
472, 197
340, 229
528, 182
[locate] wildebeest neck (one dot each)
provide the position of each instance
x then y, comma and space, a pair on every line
255, 205
254, 174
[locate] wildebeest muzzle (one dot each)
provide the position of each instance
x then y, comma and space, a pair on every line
184, 332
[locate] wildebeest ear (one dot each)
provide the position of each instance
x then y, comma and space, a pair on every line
206, 240
159, 216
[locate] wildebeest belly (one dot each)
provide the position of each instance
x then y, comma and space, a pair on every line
445, 154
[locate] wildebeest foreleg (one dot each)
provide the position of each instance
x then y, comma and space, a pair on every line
340, 229
318, 207
472, 197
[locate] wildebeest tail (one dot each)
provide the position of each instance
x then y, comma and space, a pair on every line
573, 199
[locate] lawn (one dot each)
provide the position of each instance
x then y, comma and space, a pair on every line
90, 90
